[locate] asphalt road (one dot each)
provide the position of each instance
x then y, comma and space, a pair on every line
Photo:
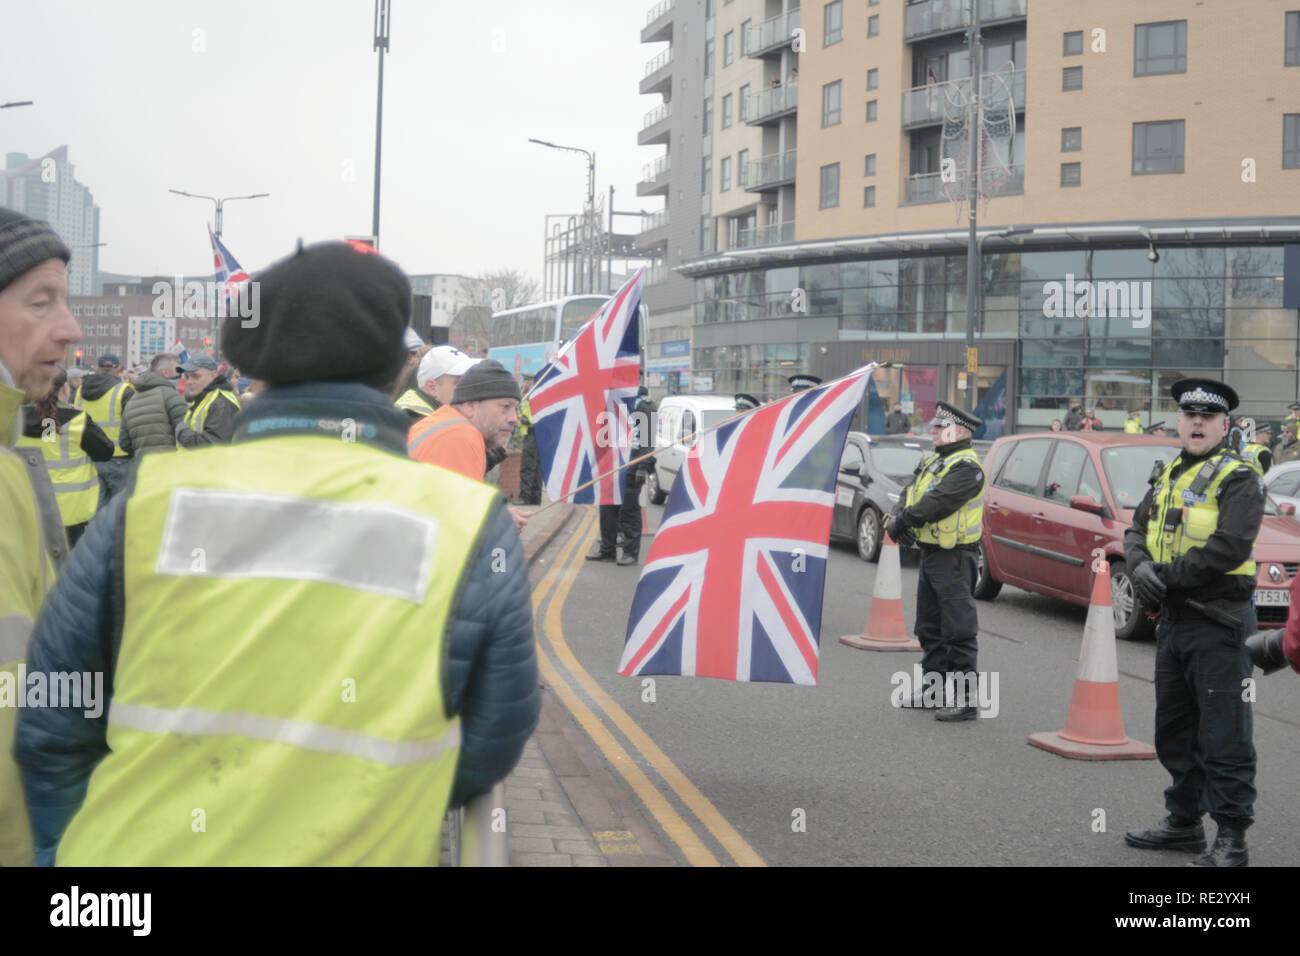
834, 774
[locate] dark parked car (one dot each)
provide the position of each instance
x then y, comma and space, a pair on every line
873, 471
1055, 497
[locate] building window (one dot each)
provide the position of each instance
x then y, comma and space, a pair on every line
1292, 39
1291, 141
742, 167
868, 196
830, 193
744, 32
728, 48
1073, 45
744, 102
873, 3
726, 111
1160, 48
873, 79
709, 50
833, 22
872, 110
1071, 174
1072, 78
724, 174
870, 165
873, 25
708, 9
831, 104
706, 175
708, 117
1158, 147
1071, 139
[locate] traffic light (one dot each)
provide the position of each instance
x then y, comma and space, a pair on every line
207, 340
78, 356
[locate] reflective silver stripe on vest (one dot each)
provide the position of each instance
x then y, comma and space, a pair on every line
372, 547
433, 430
113, 419
14, 633
66, 460
331, 740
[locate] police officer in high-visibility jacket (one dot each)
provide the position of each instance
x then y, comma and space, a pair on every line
381, 662
1133, 424
1254, 451
1189, 551
942, 510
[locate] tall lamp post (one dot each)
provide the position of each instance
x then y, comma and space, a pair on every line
12, 103
383, 20
588, 240
220, 202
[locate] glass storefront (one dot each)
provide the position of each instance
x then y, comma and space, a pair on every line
1107, 328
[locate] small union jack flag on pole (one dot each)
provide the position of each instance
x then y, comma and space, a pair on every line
732, 587
227, 272
582, 403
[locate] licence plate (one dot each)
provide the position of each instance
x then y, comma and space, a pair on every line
1273, 597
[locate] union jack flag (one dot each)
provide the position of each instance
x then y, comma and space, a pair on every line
582, 403
229, 273
732, 587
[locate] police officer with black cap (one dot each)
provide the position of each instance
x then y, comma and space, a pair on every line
942, 510
1190, 554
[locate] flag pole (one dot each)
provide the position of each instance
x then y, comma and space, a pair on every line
869, 367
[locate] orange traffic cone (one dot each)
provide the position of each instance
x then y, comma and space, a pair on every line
1094, 727
885, 630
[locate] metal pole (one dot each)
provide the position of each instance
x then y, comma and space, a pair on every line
220, 204
975, 131
609, 259
383, 15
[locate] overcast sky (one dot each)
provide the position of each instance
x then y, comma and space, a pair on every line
278, 96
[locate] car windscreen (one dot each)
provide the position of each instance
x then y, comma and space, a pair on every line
712, 416
1128, 470
897, 461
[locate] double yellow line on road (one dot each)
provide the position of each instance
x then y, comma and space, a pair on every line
565, 571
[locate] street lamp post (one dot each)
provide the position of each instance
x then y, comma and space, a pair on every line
12, 103
588, 241
218, 201
383, 20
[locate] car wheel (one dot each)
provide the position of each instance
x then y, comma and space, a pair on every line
652, 488
869, 538
1130, 623
986, 587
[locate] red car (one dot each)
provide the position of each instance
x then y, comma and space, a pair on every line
1054, 497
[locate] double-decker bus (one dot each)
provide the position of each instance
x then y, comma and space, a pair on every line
525, 339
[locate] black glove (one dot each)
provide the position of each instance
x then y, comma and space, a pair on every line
1149, 585
898, 528
1266, 650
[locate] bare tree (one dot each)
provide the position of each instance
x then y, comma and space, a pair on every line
485, 294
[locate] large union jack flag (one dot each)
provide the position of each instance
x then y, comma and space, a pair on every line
227, 271
732, 587
582, 403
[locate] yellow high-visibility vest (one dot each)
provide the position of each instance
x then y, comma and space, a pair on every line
1132, 427
300, 719
107, 412
1184, 513
964, 525
412, 401
198, 412
76, 483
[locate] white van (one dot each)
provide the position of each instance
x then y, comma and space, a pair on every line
678, 419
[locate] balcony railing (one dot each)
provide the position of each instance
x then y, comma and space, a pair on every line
770, 170
657, 11
770, 34
766, 235
654, 220
929, 187
923, 105
658, 114
662, 60
768, 103
943, 16
653, 171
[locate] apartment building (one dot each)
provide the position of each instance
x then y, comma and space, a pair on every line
1140, 168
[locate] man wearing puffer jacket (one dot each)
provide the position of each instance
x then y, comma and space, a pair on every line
150, 421
383, 666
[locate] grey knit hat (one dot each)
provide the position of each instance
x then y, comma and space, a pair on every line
25, 243
485, 380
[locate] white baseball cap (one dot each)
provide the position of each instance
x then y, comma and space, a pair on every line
440, 361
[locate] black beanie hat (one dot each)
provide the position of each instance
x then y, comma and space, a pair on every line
25, 243
326, 313
485, 380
